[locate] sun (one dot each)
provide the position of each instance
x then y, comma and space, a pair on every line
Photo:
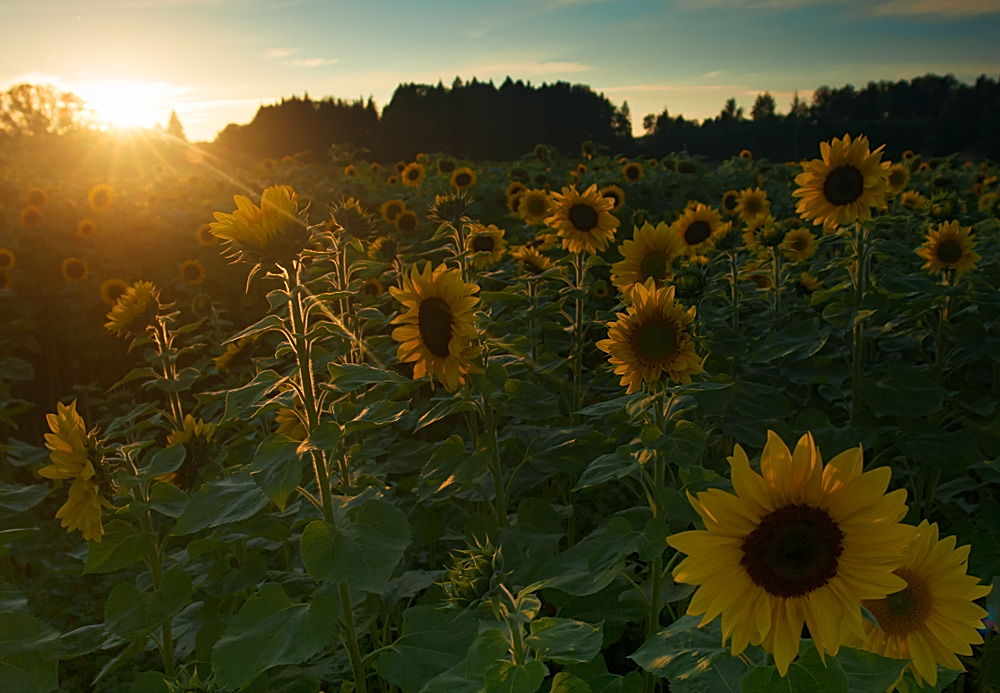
128, 104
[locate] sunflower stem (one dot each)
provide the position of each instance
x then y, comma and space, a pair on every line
357, 665
860, 277
656, 569
500, 491
581, 270
734, 280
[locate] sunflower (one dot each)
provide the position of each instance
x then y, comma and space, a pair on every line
7, 259
844, 185
600, 289
949, 247
85, 229
746, 154
135, 309
933, 618
651, 338
350, 170
236, 353
290, 424
391, 180
74, 270
353, 219
196, 436
695, 229
382, 249
99, 198
730, 202
446, 165
112, 289
535, 207
485, 245
616, 195
898, 179
799, 245
911, 199
438, 328
514, 201
413, 174
649, 255
406, 222
205, 236
31, 217
463, 178
632, 172
752, 203
6, 282
572, 177
754, 230
391, 209
807, 284
531, 260
798, 544
192, 272
515, 187
400, 166
35, 197
73, 453
274, 231
583, 221
373, 167
543, 242
372, 287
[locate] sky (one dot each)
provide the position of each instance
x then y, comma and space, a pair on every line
215, 62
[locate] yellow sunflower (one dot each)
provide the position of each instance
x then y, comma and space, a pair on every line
135, 309
74, 270
391, 180
35, 197
485, 245
797, 544
373, 167
531, 260
413, 174
99, 198
371, 287
898, 179
73, 453
382, 249
7, 259
807, 284
616, 195
754, 230
290, 424
438, 329
746, 154
112, 289
391, 209
463, 178
85, 229
949, 247
844, 185
651, 338
799, 245
632, 172
544, 242
695, 229
649, 255
274, 231
514, 188
192, 272
933, 618
730, 202
31, 217
236, 353
196, 436
911, 199
752, 203
535, 207
583, 221
205, 236
350, 170
406, 222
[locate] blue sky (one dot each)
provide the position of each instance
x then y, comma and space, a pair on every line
216, 61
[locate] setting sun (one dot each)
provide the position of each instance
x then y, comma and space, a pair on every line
125, 105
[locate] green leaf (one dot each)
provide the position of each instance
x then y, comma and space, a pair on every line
507, 677
683, 446
150, 682
130, 611
277, 468
270, 630
590, 565
12, 368
243, 402
362, 551
227, 500
683, 651
799, 340
167, 499
268, 322
564, 682
468, 676
29, 654
432, 642
122, 545
348, 377
9, 536
868, 672
564, 641
527, 401
17, 499
81, 641
166, 460
378, 414
905, 391
807, 673
449, 470
326, 436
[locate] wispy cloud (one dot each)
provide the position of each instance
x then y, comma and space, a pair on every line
275, 53
313, 62
715, 73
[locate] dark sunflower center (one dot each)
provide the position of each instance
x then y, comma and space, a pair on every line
371, 289
949, 251
463, 179
115, 292
632, 172
535, 206
32, 217
793, 551
101, 199
655, 342
655, 265
697, 232
393, 211
483, 244
896, 178
434, 323
799, 243
905, 611
406, 222
752, 206
583, 217
413, 174
192, 272
843, 185
75, 270
729, 202
388, 250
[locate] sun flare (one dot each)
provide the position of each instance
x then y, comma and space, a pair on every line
126, 105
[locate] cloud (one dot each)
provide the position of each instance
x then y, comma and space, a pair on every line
715, 73
313, 62
273, 53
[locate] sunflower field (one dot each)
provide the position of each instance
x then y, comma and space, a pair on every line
562, 424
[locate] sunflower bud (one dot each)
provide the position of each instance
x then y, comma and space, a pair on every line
474, 575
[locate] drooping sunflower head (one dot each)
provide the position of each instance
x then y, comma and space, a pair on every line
632, 172
949, 247
649, 255
99, 198
534, 206
616, 195
473, 575
291, 423
437, 332
933, 618
463, 178
752, 203
135, 309
273, 232
485, 245
652, 338
413, 175
452, 207
31, 217
514, 188
897, 179
353, 219
844, 185
746, 154
695, 229
798, 544
74, 270
350, 170
237, 354
583, 220
446, 165
192, 272
531, 261
383, 249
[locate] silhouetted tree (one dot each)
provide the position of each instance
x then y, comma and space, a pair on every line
174, 127
763, 107
39, 109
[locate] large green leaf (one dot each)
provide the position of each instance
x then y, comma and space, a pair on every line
564, 641
348, 377
227, 500
243, 402
362, 551
613, 465
17, 499
685, 652
591, 564
432, 642
277, 468
800, 340
806, 673
469, 675
449, 470
507, 677
130, 611
905, 391
29, 654
121, 545
270, 630
167, 460
527, 401
868, 672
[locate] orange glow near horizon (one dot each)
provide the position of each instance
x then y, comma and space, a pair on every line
127, 105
